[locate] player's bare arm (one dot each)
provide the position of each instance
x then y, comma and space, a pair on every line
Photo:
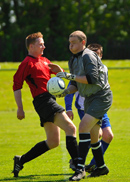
70, 114
18, 99
81, 79
55, 68
72, 89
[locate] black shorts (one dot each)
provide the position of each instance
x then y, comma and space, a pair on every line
46, 106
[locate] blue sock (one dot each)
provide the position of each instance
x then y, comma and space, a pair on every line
104, 148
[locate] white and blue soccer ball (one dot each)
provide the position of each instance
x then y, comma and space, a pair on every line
56, 86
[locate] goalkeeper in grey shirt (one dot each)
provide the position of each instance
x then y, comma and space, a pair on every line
89, 76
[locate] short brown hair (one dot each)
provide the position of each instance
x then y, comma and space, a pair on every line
30, 39
94, 47
80, 35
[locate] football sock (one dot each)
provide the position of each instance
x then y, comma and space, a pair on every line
104, 148
84, 142
71, 145
36, 151
98, 154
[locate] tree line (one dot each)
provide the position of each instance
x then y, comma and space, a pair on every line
105, 22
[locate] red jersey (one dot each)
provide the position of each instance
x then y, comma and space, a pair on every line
35, 72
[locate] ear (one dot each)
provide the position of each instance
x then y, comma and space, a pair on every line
83, 42
31, 45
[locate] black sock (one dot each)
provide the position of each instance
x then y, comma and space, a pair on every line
71, 145
36, 151
84, 144
98, 154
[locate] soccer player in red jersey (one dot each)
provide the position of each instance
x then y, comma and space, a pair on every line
35, 70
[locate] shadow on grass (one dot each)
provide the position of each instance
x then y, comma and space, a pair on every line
32, 177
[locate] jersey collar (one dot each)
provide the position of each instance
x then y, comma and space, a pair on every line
78, 54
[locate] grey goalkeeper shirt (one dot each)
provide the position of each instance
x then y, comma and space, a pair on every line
87, 63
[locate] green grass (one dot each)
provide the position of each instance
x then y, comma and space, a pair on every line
17, 137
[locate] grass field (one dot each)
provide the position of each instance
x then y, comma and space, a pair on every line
17, 137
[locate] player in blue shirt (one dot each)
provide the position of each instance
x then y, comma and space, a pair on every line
105, 132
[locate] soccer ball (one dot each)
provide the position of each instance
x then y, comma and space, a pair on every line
56, 86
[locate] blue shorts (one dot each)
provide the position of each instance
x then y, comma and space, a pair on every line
105, 119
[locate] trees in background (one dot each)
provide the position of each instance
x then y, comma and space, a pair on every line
105, 22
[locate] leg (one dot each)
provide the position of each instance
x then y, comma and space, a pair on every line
96, 146
53, 138
97, 153
96, 132
107, 136
81, 114
100, 133
64, 122
85, 127
53, 134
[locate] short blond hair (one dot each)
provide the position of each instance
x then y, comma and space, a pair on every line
30, 39
79, 34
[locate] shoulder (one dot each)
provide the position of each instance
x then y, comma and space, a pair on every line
87, 53
89, 57
27, 62
29, 59
45, 59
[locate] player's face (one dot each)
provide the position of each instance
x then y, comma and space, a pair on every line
99, 53
75, 45
38, 47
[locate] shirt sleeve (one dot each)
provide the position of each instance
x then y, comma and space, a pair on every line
68, 101
91, 68
20, 75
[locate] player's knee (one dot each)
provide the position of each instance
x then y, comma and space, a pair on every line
53, 143
100, 133
111, 135
71, 130
107, 136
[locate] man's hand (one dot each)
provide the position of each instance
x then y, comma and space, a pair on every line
18, 99
66, 75
66, 92
70, 114
20, 114
55, 68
